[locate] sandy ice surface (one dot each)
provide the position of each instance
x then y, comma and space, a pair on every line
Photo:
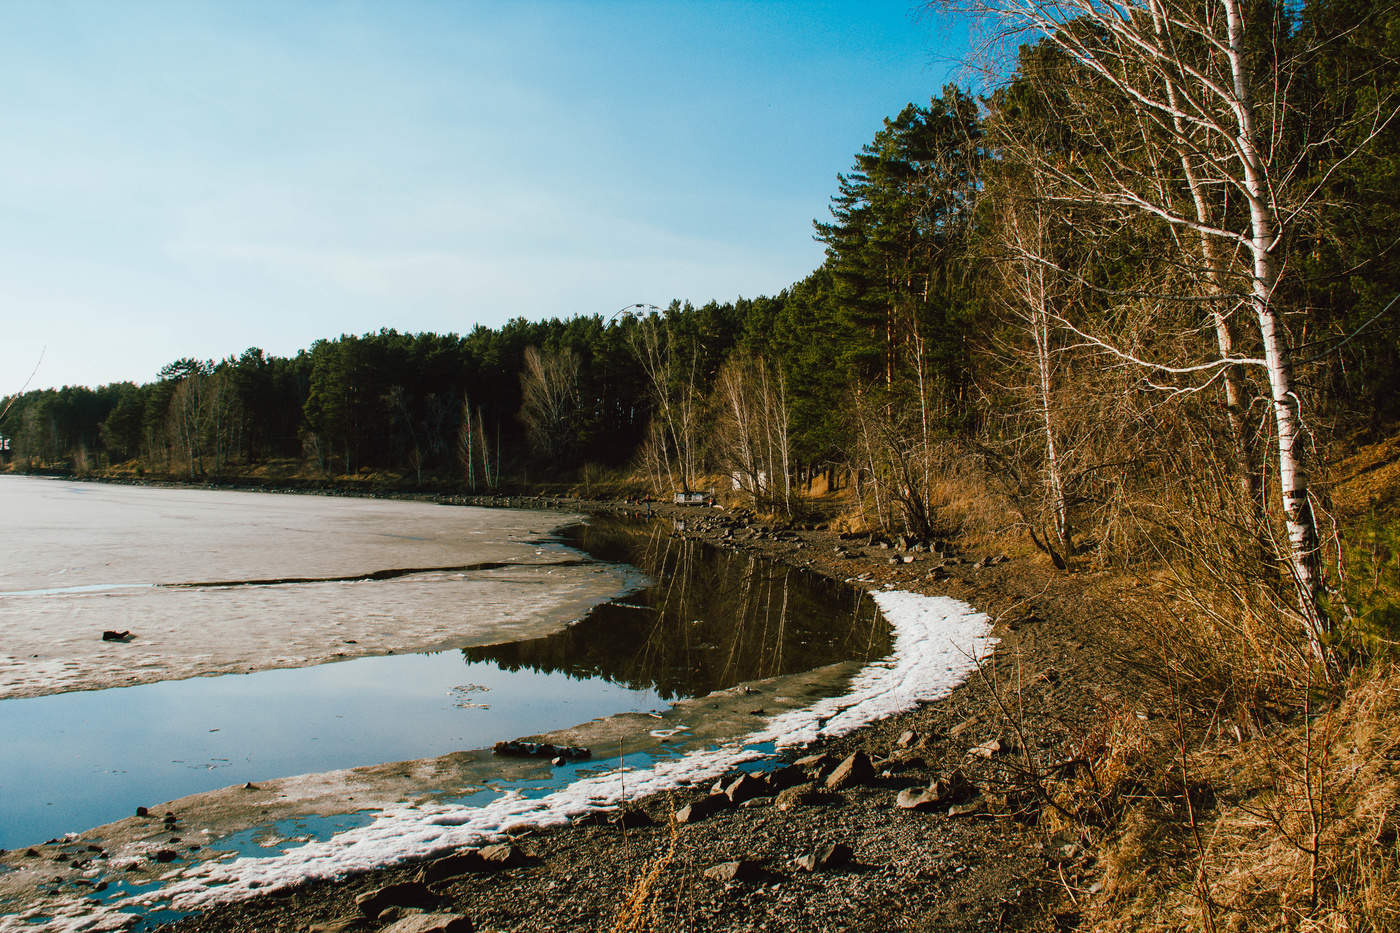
80, 558
937, 643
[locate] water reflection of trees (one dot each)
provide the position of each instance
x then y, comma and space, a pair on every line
714, 619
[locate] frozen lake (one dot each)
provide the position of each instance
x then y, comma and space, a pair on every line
193, 575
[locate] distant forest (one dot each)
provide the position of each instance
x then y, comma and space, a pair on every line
1133, 296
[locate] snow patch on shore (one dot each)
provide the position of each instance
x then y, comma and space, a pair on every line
937, 641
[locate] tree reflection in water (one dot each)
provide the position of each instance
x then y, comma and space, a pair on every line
715, 618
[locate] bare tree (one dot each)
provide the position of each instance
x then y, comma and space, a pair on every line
464, 444
188, 416
549, 408
673, 445
1026, 295
751, 431
474, 448
896, 463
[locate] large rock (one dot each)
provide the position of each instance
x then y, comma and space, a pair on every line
831, 855
404, 894
856, 769
431, 923
917, 798
949, 790
450, 866
746, 787
741, 870
503, 855
815, 767
780, 779
391, 914
701, 809
801, 796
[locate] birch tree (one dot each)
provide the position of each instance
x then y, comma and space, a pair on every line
466, 458
752, 430
672, 447
549, 392
1212, 78
1026, 293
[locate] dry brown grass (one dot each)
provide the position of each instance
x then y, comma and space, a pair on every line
1108, 759
981, 517
1296, 829
638, 912
1367, 480
963, 501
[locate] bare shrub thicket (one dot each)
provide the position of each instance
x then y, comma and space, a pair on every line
671, 454
1296, 829
751, 432
550, 402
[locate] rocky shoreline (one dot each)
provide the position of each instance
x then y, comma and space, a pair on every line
934, 818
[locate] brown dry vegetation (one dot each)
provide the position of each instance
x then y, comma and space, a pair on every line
1258, 795
1293, 828
1259, 791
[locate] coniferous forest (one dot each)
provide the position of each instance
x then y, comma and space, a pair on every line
1134, 308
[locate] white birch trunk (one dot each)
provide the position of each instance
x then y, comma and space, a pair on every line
1264, 237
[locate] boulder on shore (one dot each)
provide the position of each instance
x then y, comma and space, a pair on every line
503, 855
404, 894
450, 866
856, 769
698, 810
804, 795
430, 923
746, 787
739, 870
831, 855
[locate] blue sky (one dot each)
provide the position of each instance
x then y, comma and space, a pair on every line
192, 179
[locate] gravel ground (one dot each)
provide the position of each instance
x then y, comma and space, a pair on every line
1050, 682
